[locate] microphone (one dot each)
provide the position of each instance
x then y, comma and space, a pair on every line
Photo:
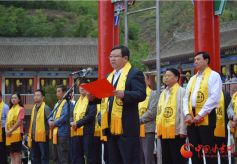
82, 73
78, 72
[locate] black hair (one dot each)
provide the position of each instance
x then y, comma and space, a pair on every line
83, 81
64, 88
20, 100
124, 50
0, 94
205, 55
174, 71
41, 91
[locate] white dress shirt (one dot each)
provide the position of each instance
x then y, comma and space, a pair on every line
214, 92
116, 76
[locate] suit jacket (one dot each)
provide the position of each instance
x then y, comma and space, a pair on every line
135, 92
149, 117
88, 121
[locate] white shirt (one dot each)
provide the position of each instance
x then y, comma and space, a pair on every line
214, 92
116, 76
167, 93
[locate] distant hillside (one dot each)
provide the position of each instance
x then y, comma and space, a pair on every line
79, 19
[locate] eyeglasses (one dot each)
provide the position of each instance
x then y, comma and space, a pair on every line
115, 56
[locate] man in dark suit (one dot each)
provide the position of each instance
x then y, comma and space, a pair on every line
83, 126
121, 110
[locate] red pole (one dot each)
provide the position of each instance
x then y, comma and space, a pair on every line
35, 81
105, 36
70, 81
217, 65
0, 83
204, 31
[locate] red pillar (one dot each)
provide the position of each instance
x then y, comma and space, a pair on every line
35, 81
217, 62
70, 81
0, 83
105, 36
204, 32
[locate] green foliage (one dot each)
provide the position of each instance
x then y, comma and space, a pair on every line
50, 96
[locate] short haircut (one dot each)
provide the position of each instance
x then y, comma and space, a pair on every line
64, 88
205, 55
41, 91
124, 50
83, 81
174, 71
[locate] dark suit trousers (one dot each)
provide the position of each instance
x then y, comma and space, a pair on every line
97, 155
124, 150
82, 149
3, 152
203, 135
171, 150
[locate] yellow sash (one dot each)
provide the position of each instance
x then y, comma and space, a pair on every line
97, 126
234, 103
40, 132
78, 113
166, 114
12, 118
202, 95
57, 116
1, 108
220, 118
142, 106
117, 109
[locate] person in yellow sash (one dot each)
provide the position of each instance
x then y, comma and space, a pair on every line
171, 128
119, 113
232, 115
222, 120
200, 101
60, 128
147, 114
82, 129
14, 128
4, 108
39, 129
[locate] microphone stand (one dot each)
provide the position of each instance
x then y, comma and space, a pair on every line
65, 96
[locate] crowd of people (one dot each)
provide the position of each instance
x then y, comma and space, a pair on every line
128, 124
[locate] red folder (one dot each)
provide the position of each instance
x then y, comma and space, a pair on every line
100, 88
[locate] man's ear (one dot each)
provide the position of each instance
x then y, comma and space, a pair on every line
126, 58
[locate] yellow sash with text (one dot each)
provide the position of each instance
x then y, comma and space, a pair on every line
202, 95
234, 103
12, 118
78, 113
97, 126
1, 109
166, 114
117, 108
220, 118
142, 107
57, 116
40, 132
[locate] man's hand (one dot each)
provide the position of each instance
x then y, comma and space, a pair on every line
51, 124
8, 133
197, 119
74, 125
233, 124
188, 119
119, 94
235, 118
